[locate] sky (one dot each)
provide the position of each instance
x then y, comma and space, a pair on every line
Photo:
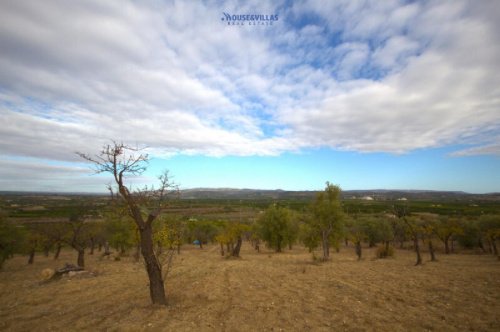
364, 94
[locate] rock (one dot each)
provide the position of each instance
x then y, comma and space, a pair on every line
47, 274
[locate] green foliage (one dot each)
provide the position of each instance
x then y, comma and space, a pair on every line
169, 232
309, 235
489, 225
277, 228
202, 230
470, 236
122, 233
11, 239
328, 217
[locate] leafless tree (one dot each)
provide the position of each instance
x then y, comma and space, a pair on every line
144, 206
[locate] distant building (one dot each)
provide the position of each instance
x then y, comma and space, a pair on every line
367, 198
402, 199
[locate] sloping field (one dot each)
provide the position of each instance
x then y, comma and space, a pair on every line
260, 292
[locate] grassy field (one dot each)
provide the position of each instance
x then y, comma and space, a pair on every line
259, 292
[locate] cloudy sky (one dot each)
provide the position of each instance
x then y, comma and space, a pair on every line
364, 94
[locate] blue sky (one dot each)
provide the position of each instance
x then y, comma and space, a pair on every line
365, 94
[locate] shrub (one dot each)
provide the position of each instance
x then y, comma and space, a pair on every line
385, 251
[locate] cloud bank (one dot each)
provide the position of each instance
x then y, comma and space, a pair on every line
364, 76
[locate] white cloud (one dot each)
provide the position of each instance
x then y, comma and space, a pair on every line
367, 76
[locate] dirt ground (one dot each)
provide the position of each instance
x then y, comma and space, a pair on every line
259, 292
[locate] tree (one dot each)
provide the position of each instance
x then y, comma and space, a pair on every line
445, 228
202, 230
275, 227
78, 234
144, 206
412, 227
232, 236
11, 239
489, 226
428, 225
309, 236
357, 234
328, 214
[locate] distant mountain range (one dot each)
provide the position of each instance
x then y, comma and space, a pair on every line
256, 194
377, 194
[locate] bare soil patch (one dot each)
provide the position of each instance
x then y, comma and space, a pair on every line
259, 292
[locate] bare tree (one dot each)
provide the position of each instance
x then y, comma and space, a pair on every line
144, 206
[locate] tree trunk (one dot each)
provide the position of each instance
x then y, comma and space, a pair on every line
480, 245
92, 245
81, 261
446, 246
431, 251
326, 251
358, 249
178, 249
494, 245
31, 258
58, 251
417, 250
156, 286
222, 250
236, 250
46, 250
106, 249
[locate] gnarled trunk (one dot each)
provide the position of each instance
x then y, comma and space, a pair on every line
31, 258
153, 268
431, 251
236, 249
358, 250
446, 246
58, 251
417, 250
81, 260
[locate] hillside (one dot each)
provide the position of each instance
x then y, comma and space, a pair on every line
260, 292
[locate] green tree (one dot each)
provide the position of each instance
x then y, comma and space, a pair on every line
489, 225
445, 228
412, 228
327, 216
11, 239
356, 233
309, 235
275, 227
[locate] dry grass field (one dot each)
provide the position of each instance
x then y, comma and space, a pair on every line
259, 292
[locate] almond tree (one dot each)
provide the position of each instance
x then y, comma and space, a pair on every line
402, 213
144, 206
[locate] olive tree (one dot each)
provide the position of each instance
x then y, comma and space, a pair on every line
327, 216
275, 227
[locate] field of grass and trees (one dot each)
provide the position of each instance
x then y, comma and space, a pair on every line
322, 230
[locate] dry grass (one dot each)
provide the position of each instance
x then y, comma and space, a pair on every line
260, 292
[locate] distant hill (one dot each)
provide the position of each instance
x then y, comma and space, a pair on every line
377, 194
278, 194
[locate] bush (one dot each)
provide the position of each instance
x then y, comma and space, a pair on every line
385, 251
